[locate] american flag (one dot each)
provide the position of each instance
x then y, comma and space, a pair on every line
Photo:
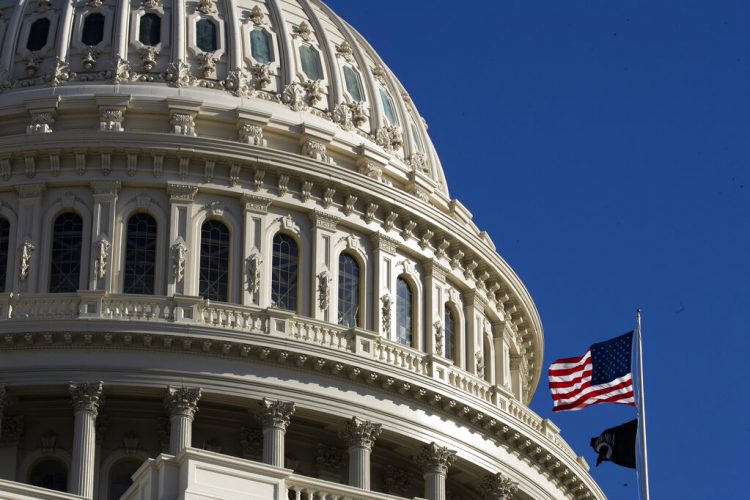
602, 375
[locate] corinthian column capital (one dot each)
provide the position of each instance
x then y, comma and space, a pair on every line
498, 487
361, 433
275, 414
182, 400
86, 396
434, 458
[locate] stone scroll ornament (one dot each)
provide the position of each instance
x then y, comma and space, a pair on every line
275, 414
179, 256
323, 290
253, 273
387, 304
360, 432
86, 396
434, 458
103, 247
438, 337
24, 265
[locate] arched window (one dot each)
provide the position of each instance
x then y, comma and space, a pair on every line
4, 242
310, 59
284, 272
260, 46
149, 30
93, 29
404, 320
51, 474
214, 273
205, 35
348, 290
65, 261
140, 255
449, 332
38, 33
120, 477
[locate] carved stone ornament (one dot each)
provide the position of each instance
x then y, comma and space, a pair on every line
434, 458
151, 4
119, 70
390, 138
179, 254
498, 487
86, 396
386, 306
12, 429
183, 124
371, 170
256, 16
253, 273
480, 363
419, 162
360, 433
178, 74
110, 120
24, 263
261, 75
32, 63
315, 150
5, 80
41, 122
329, 459
182, 400
251, 441
379, 73
349, 115
131, 441
43, 5
208, 64
206, 7
314, 91
303, 31
88, 58
345, 50
251, 134
438, 325
293, 96
60, 73
287, 222
102, 257
149, 56
275, 414
238, 83
349, 204
48, 441
396, 481
324, 281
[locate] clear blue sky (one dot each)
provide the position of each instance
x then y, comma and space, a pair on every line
608, 145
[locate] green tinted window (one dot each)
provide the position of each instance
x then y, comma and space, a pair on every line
310, 62
353, 83
260, 46
205, 35
390, 113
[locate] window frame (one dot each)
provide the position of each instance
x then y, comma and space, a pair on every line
158, 242
23, 36
410, 286
78, 25
82, 268
230, 259
361, 276
298, 280
135, 28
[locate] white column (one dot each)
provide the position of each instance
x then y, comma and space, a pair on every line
181, 198
360, 436
434, 284
66, 25
122, 19
256, 213
435, 461
11, 32
324, 228
86, 398
498, 487
102, 233
383, 310
274, 417
182, 403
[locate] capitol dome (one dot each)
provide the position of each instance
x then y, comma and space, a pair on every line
231, 268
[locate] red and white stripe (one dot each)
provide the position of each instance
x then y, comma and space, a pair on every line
570, 384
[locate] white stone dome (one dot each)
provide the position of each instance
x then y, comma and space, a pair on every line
234, 204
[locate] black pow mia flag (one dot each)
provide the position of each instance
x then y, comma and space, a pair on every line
617, 444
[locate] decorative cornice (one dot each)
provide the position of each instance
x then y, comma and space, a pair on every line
323, 220
105, 188
182, 192
255, 203
360, 433
275, 414
435, 459
30, 190
86, 396
182, 400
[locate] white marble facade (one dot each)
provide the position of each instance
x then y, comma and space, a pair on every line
211, 215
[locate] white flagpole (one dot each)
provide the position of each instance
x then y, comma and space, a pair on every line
642, 411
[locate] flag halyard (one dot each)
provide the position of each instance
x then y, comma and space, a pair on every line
602, 375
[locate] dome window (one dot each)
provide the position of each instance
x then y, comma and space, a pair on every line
205, 35
214, 271
65, 261
260, 46
93, 29
450, 334
390, 113
404, 322
149, 30
51, 474
310, 59
348, 291
38, 33
140, 255
4, 242
353, 84
284, 272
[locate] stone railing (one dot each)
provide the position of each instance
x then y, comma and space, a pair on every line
308, 488
18, 491
276, 323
